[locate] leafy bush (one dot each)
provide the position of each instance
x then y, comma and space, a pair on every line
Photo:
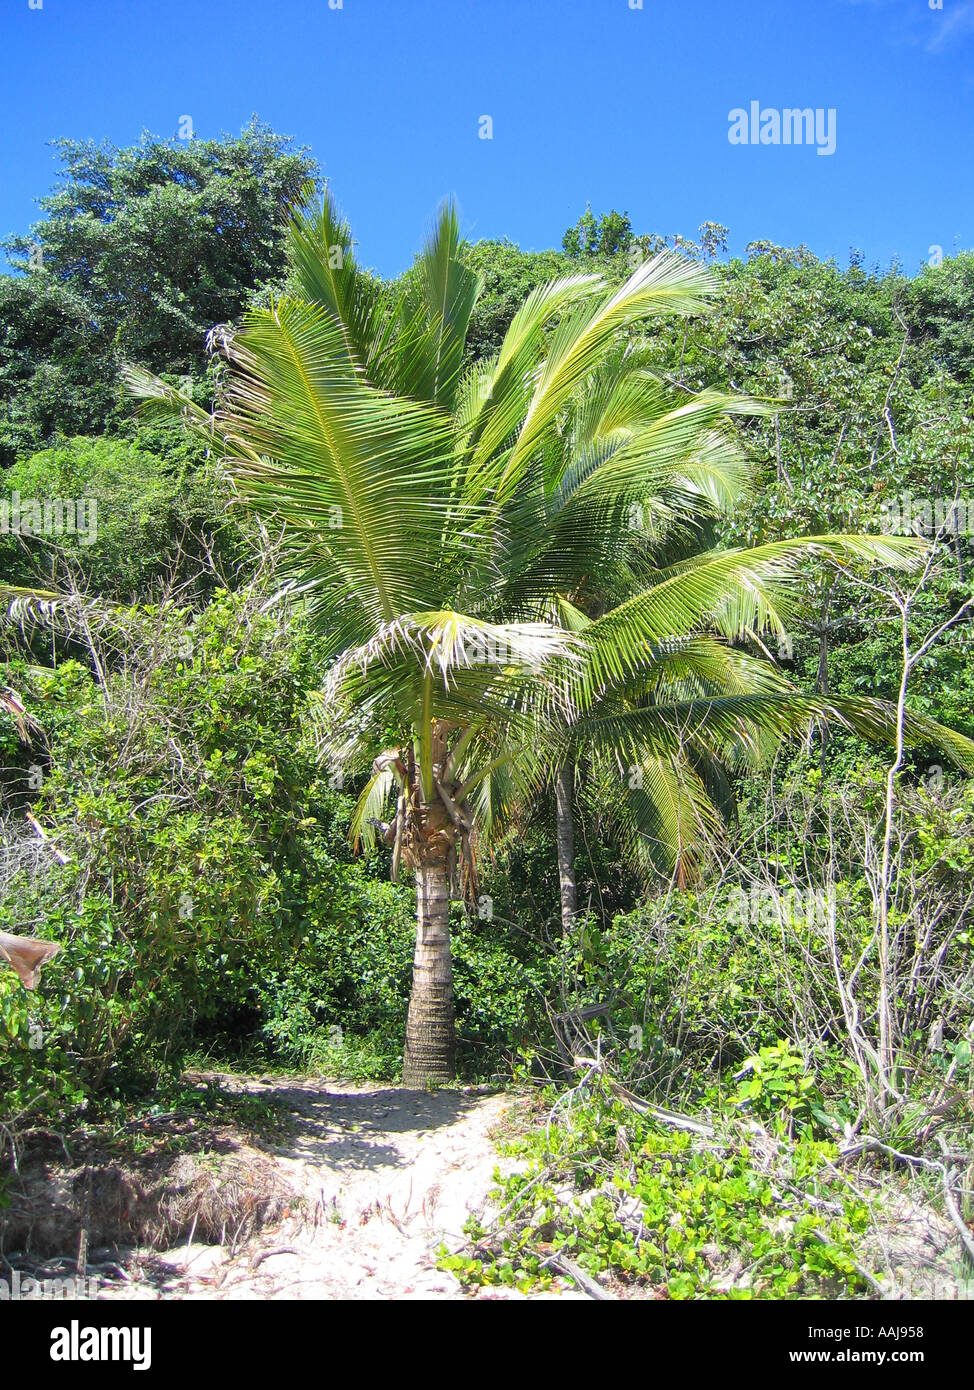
204, 844
148, 512
629, 1200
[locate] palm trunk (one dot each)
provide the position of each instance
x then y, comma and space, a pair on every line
822, 685
565, 837
430, 1032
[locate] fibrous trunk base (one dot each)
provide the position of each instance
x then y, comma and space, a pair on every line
430, 1036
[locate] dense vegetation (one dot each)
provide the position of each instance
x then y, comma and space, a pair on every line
727, 874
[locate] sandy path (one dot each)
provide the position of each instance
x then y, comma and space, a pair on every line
388, 1174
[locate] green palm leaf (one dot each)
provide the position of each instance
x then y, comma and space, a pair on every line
355, 476
735, 592
666, 284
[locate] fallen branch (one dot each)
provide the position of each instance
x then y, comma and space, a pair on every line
269, 1254
672, 1118
869, 1144
585, 1282
954, 1212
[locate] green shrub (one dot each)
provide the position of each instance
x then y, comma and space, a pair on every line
195, 822
150, 511
629, 1200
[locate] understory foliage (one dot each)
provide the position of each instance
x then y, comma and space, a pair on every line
721, 1142
204, 851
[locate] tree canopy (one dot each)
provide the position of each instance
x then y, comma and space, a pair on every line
140, 251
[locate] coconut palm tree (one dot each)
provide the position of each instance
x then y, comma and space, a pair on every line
411, 492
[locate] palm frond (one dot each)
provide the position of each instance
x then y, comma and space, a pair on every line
748, 728
734, 592
23, 605
449, 291
666, 284
356, 477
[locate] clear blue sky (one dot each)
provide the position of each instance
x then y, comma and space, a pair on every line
590, 101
